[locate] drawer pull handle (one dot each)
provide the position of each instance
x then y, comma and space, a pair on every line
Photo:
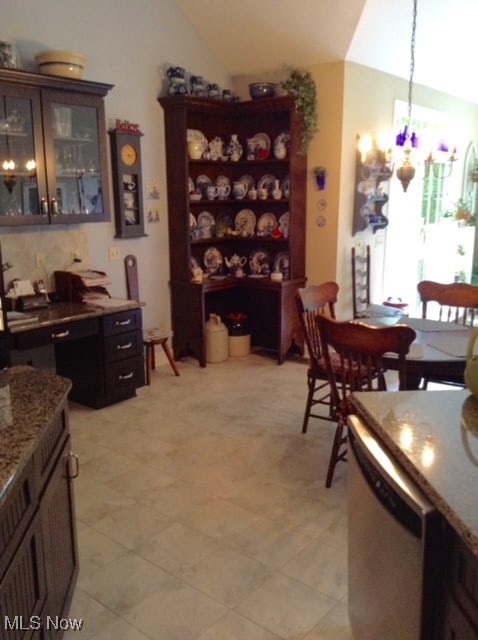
126, 376
73, 466
124, 346
123, 323
63, 334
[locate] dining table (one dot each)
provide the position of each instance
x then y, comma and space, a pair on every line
438, 351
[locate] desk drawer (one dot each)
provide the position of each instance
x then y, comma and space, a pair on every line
122, 321
123, 345
124, 375
55, 333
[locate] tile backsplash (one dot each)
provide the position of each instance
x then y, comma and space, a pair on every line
56, 249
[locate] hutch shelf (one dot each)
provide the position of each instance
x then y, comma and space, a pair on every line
269, 304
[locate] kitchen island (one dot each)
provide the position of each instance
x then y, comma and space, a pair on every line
433, 435
38, 546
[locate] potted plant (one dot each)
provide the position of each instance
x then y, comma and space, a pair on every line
320, 174
301, 85
462, 211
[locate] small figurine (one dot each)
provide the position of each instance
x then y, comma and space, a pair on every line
177, 81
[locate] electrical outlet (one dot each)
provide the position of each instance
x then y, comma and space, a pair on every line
40, 260
115, 253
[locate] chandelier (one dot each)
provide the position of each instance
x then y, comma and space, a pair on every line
438, 163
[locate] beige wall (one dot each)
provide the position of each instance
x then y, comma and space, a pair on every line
129, 45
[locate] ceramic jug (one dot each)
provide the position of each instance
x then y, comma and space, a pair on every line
239, 189
471, 368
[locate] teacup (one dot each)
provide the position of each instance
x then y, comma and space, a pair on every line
223, 191
263, 193
252, 194
212, 192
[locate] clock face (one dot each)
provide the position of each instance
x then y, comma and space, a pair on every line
128, 154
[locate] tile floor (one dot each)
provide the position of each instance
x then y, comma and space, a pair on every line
202, 512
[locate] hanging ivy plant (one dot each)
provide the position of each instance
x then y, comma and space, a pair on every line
301, 85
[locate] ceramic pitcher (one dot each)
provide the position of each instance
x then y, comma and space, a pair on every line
471, 368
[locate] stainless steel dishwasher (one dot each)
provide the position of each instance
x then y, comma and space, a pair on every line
390, 523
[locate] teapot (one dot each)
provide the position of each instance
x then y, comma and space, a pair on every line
235, 264
471, 368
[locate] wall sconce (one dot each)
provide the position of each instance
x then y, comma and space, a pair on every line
375, 156
9, 178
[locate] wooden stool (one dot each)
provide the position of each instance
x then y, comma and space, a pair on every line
151, 338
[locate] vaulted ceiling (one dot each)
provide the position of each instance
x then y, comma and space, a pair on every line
250, 36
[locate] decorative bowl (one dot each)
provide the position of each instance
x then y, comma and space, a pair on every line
61, 63
262, 90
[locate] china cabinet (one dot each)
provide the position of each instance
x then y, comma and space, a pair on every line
236, 216
53, 163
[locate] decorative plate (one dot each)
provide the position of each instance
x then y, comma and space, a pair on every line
266, 224
261, 141
212, 259
267, 182
245, 222
190, 185
250, 181
284, 224
285, 186
224, 222
223, 181
282, 263
192, 222
260, 263
206, 224
193, 262
202, 183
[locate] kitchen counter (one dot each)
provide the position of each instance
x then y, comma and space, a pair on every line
67, 312
434, 435
36, 397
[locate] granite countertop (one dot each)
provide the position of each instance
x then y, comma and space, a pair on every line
67, 312
36, 396
434, 435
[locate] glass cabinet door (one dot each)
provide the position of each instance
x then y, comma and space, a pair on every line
74, 152
22, 177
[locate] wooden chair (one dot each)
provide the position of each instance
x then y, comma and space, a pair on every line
353, 354
361, 274
151, 337
360, 283
312, 301
456, 302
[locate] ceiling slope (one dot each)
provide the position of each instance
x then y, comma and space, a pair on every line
251, 37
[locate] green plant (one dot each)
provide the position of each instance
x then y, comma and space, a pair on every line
301, 85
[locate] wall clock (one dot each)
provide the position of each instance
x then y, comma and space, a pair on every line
125, 141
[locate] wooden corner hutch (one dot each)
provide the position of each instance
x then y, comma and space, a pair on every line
269, 305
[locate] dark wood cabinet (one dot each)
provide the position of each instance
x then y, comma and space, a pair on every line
269, 304
458, 617
53, 136
39, 555
108, 365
